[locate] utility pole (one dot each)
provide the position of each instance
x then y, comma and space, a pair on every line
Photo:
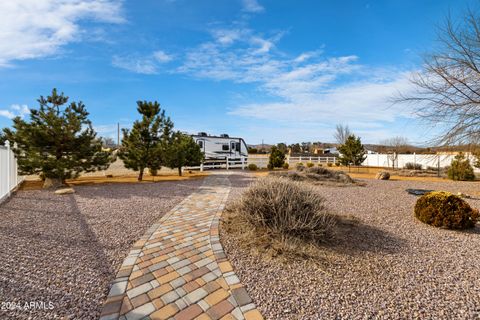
118, 135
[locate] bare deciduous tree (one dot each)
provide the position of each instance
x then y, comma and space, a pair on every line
447, 91
342, 132
394, 146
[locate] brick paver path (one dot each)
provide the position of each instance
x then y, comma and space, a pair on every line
178, 269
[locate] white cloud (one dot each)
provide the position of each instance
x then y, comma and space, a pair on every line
162, 57
14, 111
38, 28
142, 64
252, 6
306, 88
137, 65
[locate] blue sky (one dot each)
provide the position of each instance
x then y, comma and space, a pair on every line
261, 69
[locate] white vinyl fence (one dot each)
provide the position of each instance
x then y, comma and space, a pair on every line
261, 161
400, 160
9, 178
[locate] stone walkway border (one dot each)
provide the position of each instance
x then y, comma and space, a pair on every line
178, 268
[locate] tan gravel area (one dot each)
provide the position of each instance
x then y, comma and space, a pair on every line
386, 265
60, 252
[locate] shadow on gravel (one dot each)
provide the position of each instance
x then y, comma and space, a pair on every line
123, 191
354, 237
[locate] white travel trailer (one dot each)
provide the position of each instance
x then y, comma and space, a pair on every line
221, 147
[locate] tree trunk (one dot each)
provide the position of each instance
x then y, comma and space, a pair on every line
53, 183
140, 176
179, 171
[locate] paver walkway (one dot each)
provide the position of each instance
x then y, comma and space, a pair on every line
178, 269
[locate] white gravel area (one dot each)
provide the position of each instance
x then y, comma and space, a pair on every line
61, 252
388, 265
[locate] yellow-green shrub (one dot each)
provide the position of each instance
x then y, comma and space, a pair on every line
446, 210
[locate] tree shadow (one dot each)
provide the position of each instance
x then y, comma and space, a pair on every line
123, 191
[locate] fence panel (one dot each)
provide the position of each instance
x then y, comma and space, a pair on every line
400, 160
9, 178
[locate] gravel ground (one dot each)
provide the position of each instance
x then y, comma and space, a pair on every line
61, 252
386, 266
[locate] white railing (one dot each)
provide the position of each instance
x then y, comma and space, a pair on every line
222, 164
261, 161
9, 178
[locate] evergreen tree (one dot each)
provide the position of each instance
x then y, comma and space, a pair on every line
183, 151
276, 159
58, 143
352, 151
143, 145
460, 169
2, 138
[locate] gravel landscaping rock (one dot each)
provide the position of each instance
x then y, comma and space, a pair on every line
62, 252
382, 264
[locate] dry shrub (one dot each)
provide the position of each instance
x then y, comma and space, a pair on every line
445, 210
280, 217
317, 175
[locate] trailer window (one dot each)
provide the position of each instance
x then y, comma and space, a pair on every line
233, 146
225, 147
200, 143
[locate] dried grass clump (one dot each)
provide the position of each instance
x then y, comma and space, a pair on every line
280, 216
317, 175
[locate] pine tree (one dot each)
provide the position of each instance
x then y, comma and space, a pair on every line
276, 159
58, 143
352, 151
460, 169
183, 151
143, 146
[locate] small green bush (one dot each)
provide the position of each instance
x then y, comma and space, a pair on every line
286, 165
310, 164
337, 164
299, 166
252, 167
276, 159
413, 166
445, 210
460, 169
320, 165
329, 164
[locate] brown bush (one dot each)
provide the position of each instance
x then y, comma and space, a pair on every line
317, 175
278, 214
445, 210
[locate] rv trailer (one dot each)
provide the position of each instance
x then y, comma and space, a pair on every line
221, 148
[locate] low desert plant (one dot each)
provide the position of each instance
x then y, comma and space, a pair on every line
460, 169
252, 167
299, 166
310, 164
337, 164
286, 165
277, 214
320, 165
446, 210
317, 175
330, 164
413, 166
